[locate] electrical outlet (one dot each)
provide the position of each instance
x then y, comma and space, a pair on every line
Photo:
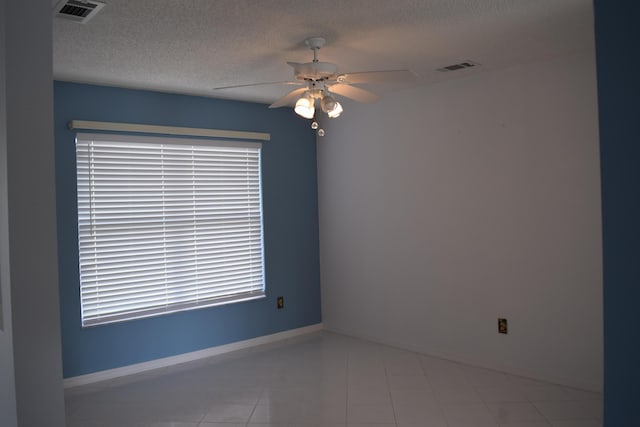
502, 326
280, 302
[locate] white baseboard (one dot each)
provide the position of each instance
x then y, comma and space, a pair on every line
187, 357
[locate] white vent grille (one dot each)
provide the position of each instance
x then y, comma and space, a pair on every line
77, 10
458, 66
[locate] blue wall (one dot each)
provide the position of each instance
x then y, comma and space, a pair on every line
617, 37
290, 229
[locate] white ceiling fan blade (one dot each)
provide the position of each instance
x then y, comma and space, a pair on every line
288, 98
354, 93
390, 76
258, 84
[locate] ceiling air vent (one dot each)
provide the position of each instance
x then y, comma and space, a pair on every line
459, 66
77, 10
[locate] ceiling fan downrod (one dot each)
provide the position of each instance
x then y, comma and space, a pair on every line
315, 43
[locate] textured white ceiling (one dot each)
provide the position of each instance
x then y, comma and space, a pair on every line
192, 46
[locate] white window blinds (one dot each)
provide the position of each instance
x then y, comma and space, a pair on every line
166, 225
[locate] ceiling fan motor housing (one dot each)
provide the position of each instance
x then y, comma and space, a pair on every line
315, 70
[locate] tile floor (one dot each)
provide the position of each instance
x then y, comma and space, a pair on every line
329, 380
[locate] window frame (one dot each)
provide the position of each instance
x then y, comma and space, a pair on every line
179, 143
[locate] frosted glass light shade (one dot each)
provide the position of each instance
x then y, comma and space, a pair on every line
336, 111
328, 103
304, 107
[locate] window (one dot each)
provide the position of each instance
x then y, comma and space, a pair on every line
166, 224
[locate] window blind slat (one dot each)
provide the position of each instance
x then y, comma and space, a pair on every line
166, 226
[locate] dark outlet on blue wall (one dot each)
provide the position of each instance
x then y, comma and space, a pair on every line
502, 326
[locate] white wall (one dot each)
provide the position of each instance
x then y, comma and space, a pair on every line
35, 311
446, 207
7, 382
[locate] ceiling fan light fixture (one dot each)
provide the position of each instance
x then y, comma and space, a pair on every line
336, 111
331, 106
328, 103
304, 107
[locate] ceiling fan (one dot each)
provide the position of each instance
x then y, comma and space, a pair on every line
320, 80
